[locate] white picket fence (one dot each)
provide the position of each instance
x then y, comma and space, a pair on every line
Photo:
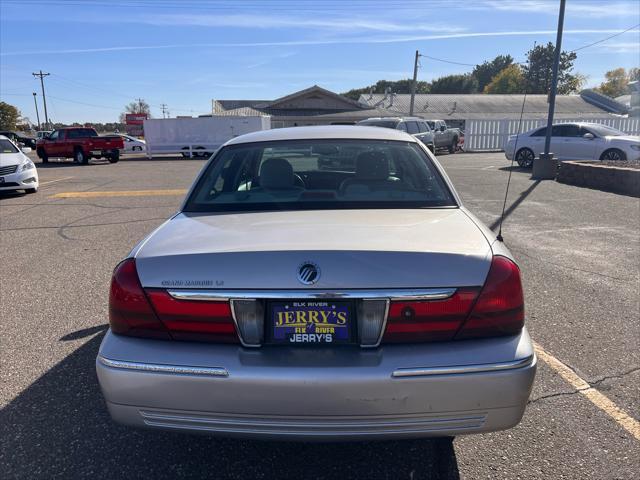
492, 134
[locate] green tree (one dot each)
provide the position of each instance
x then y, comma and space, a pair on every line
539, 68
616, 82
486, 71
9, 116
509, 80
454, 84
397, 86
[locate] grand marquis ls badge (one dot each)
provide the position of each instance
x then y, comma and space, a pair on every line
308, 273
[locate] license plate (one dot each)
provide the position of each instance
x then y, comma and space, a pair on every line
311, 322
96, 152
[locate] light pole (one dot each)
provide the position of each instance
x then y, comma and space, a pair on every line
413, 84
35, 102
546, 167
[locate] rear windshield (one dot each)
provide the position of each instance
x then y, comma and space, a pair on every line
379, 123
81, 133
7, 147
326, 175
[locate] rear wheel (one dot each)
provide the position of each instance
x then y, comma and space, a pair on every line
43, 155
613, 154
185, 152
453, 146
525, 157
114, 157
80, 157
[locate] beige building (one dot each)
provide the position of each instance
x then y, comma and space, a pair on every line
311, 106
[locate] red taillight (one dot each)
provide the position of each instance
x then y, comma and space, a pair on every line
432, 320
500, 306
194, 320
129, 310
497, 309
156, 314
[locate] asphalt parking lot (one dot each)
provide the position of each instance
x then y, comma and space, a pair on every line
579, 250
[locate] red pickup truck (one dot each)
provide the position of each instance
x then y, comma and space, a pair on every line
79, 143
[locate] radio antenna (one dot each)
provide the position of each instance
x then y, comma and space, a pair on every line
515, 150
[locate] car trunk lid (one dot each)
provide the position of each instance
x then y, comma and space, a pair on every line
352, 249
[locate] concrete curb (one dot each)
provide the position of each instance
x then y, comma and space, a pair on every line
625, 181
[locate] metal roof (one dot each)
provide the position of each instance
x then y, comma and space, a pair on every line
478, 105
321, 114
241, 112
315, 89
220, 106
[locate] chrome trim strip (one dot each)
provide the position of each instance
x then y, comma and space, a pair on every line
463, 369
392, 294
159, 368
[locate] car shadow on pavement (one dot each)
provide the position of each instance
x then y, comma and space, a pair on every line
59, 427
162, 159
69, 163
515, 168
12, 194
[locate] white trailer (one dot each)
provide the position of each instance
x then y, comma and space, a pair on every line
197, 137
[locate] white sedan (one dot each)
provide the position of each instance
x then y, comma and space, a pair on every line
574, 141
132, 144
17, 171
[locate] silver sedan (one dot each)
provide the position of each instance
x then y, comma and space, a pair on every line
319, 283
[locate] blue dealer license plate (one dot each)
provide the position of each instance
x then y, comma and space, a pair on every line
311, 322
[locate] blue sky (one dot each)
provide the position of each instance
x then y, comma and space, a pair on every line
104, 53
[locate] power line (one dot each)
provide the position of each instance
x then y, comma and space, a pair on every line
84, 103
448, 61
605, 39
574, 50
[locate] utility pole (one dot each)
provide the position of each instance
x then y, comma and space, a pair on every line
413, 84
35, 102
44, 98
546, 167
164, 109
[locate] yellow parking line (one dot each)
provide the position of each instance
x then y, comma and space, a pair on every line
623, 419
120, 193
54, 181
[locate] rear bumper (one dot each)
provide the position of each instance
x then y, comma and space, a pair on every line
103, 152
318, 394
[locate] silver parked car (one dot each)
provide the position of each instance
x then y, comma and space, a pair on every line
415, 126
290, 301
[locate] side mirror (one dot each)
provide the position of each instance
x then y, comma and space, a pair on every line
442, 128
26, 150
588, 136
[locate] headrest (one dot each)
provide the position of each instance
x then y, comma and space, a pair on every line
372, 165
276, 173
